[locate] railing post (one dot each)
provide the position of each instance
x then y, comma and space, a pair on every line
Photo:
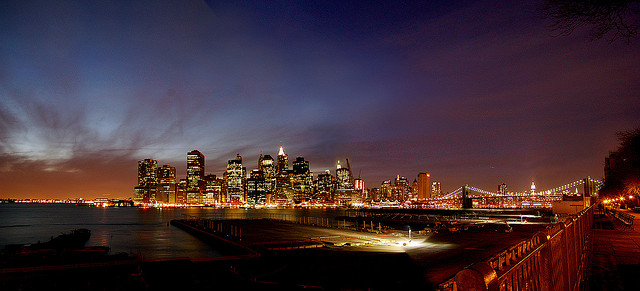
544, 263
479, 276
565, 251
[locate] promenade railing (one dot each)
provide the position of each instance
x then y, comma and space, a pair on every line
554, 259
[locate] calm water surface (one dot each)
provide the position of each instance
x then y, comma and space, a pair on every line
126, 229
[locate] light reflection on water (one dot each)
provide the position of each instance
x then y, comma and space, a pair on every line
128, 229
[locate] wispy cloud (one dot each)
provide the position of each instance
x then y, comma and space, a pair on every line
473, 92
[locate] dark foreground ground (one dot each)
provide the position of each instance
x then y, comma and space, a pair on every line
293, 270
615, 256
338, 260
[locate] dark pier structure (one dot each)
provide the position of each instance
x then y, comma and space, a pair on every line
308, 253
349, 254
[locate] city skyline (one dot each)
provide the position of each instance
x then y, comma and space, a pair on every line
473, 92
275, 183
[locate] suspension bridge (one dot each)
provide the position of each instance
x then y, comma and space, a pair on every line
469, 196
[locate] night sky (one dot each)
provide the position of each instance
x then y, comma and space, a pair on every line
475, 92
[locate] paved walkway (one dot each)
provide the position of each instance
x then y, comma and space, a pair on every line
615, 260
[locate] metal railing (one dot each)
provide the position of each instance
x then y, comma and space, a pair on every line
554, 259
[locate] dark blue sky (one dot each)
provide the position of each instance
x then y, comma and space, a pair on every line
475, 92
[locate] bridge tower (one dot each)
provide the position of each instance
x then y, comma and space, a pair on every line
466, 200
590, 188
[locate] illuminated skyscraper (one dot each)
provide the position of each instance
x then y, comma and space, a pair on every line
436, 189
234, 180
344, 183
195, 176
301, 180
213, 190
284, 177
358, 184
424, 186
344, 179
166, 192
533, 187
359, 191
181, 192
401, 189
385, 190
256, 188
324, 187
268, 168
414, 189
374, 193
147, 173
145, 192
300, 166
283, 161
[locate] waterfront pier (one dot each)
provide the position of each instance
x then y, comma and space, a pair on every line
260, 235
308, 242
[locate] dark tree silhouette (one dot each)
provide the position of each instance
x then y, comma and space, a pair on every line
618, 18
622, 167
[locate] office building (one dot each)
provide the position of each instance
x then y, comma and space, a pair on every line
268, 168
302, 181
212, 191
401, 189
436, 189
256, 194
385, 190
344, 184
145, 191
195, 175
283, 161
424, 186
284, 179
181, 192
234, 178
166, 191
324, 187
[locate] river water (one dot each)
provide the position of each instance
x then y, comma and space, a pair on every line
128, 229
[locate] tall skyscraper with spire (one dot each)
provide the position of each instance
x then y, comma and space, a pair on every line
283, 161
533, 187
284, 191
